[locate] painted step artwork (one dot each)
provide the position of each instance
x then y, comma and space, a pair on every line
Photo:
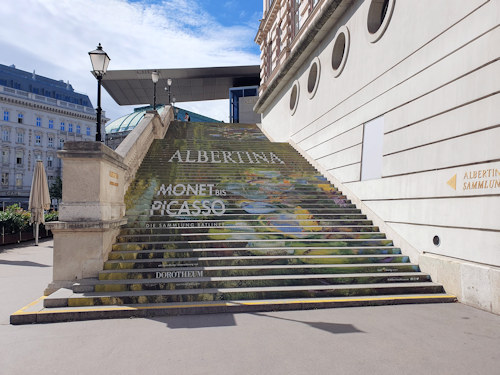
218, 214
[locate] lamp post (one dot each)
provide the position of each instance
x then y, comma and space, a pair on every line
169, 83
155, 77
100, 61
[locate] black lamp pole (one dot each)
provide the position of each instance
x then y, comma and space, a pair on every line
100, 61
169, 83
98, 137
154, 97
155, 76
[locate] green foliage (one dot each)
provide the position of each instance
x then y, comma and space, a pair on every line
55, 190
52, 216
15, 219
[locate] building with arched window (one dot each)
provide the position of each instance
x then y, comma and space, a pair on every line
398, 102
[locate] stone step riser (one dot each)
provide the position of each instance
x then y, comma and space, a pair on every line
249, 236
255, 244
337, 202
248, 261
241, 229
255, 295
182, 284
132, 255
203, 224
261, 271
142, 217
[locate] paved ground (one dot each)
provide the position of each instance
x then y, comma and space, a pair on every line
431, 339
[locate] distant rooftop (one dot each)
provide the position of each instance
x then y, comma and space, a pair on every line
128, 122
134, 87
18, 79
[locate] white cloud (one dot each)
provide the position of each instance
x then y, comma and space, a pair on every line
53, 37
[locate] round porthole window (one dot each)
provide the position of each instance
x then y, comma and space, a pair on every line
294, 97
313, 77
378, 18
436, 241
340, 50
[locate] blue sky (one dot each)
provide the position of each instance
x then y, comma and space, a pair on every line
53, 38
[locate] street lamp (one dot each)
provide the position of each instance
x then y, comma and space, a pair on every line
155, 77
169, 83
100, 61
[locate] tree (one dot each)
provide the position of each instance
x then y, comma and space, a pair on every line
55, 189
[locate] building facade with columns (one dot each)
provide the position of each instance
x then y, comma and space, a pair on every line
37, 116
398, 102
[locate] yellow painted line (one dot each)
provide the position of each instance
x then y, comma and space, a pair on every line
277, 302
21, 310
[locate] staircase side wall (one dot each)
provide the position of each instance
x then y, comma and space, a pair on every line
95, 180
432, 79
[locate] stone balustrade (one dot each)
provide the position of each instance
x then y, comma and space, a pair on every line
95, 180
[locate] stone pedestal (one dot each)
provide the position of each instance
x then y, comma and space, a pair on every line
95, 180
91, 212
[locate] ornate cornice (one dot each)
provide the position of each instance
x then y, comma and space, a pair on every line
45, 107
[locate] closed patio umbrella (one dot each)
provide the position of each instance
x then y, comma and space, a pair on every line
39, 197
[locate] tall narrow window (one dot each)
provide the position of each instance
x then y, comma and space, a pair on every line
51, 124
19, 180
38, 140
38, 122
6, 115
62, 127
50, 161
312, 4
5, 156
278, 41
61, 143
20, 137
5, 135
78, 129
5, 179
50, 142
88, 131
19, 157
295, 17
70, 127
373, 141
20, 118
269, 61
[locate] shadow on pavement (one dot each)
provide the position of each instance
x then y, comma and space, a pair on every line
228, 320
197, 321
25, 263
335, 328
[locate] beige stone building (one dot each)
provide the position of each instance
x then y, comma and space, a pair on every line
398, 103
38, 115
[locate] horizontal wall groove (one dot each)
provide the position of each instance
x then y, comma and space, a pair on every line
339, 151
443, 112
445, 226
399, 83
432, 198
442, 169
336, 136
462, 259
343, 166
443, 140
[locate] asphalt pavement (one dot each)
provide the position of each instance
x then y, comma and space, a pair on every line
405, 339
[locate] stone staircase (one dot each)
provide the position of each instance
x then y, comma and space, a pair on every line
222, 219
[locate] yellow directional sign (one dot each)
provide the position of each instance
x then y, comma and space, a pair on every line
453, 182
